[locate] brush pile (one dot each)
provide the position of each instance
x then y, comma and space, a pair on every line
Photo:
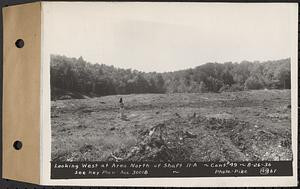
157, 144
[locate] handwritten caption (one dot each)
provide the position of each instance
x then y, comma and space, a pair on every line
63, 170
265, 168
121, 168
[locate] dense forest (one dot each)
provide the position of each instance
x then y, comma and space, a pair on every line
77, 78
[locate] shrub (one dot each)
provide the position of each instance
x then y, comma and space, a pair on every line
253, 83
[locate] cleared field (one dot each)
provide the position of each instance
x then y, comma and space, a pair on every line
235, 126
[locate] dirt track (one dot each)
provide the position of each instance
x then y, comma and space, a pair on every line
239, 126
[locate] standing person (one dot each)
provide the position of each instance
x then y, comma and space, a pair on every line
122, 115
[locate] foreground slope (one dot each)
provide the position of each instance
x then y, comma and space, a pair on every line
233, 126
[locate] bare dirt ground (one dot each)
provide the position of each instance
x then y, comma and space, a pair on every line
233, 126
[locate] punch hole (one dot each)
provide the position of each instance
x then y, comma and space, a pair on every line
17, 145
19, 43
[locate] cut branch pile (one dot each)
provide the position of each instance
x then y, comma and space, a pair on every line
157, 145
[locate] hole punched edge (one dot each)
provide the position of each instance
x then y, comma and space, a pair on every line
17, 145
20, 43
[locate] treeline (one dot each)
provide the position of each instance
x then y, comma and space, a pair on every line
216, 77
76, 78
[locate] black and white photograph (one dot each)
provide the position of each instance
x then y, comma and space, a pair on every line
170, 82
213, 112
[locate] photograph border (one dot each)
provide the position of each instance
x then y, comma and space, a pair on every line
224, 182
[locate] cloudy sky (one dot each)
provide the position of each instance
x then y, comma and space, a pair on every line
169, 36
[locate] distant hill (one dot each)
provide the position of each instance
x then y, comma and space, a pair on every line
77, 78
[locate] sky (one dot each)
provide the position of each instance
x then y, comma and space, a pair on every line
165, 37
